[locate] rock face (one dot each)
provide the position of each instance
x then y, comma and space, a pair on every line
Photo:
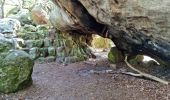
135, 26
15, 71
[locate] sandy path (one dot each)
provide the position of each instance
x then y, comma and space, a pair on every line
79, 82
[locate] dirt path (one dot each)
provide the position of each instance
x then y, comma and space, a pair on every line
87, 81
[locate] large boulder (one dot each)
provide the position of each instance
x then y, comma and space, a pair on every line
15, 71
135, 26
8, 25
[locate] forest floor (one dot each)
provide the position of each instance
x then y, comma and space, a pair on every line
94, 79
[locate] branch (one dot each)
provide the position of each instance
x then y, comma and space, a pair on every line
145, 74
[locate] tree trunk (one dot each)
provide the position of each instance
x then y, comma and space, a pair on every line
135, 26
2, 9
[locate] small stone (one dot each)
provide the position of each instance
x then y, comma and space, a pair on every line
50, 59
71, 59
41, 60
51, 51
47, 42
113, 66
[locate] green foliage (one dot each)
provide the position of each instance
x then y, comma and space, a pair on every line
33, 33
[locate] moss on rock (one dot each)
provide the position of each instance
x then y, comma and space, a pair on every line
115, 56
15, 71
34, 43
136, 59
5, 45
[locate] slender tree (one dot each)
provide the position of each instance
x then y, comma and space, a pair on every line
2, 3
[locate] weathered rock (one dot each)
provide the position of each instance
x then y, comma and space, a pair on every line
15, 71
135, 26
51, 51
34, 52
10, 26
115, 55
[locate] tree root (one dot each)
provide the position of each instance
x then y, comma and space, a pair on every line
142, 74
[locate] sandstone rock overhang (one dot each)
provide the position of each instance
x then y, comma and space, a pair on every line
136, 27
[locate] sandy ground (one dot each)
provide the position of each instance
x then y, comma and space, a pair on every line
88, 80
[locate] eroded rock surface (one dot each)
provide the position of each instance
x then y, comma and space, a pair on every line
135, 26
